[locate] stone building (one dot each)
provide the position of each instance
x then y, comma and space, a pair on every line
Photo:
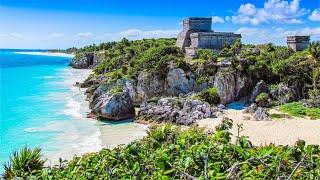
197, 34
298, 43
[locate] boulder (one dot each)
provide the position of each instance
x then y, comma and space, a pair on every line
225, 82
117, 106
261, 114
260, 87
176, 110
258, 113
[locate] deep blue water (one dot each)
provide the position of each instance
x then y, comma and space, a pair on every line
38, 104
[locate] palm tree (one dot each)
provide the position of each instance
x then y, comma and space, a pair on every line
23, 163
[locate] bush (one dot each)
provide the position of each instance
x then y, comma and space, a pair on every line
210, 95
23, 163
297, 109
207, 54
262, 99
168, 152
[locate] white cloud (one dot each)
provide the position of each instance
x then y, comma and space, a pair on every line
279, 11
315, 15
55, 35
217, 19
140, 34
84, 35
11, 36
16, 35
275, 35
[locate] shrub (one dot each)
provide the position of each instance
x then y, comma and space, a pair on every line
207, 54
262, 99
168, 152
23, 163
210, 95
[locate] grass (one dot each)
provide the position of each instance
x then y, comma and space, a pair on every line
278, 116
297, 109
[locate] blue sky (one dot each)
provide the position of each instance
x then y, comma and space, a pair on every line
61, 24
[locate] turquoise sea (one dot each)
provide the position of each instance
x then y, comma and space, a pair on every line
41, 107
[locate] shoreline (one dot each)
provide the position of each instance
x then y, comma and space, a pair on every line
46, 54
101, 135
282, 131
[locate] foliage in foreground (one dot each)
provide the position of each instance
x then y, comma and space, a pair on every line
171, 153
23, 163
297, 109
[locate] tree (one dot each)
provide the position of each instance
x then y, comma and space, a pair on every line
314, 60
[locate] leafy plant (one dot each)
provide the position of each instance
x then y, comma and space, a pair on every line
168, 152
23, 163
262, 99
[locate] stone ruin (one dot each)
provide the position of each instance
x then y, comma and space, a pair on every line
197, 34
298, 43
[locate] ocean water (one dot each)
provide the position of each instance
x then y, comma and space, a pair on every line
40, 107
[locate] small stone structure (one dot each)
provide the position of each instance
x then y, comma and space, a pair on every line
298, 43
197, 34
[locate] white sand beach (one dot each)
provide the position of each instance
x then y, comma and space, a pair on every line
93, 137
46, 54
282, 131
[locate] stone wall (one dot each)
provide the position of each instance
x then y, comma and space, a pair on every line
212, 40
197, 34
298, 43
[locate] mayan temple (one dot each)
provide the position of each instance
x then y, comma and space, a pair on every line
298, 43
197, 34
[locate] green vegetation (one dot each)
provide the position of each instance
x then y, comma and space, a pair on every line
297, 109
207, 54
116, 89
171, 153
23, 163
262, 99
210, 95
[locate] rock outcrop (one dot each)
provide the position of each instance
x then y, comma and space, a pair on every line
260, 87
179, 82
116, 106
85, 61
283, 93
175, 110
225, 82
258, 113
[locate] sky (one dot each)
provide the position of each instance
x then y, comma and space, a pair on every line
46, 24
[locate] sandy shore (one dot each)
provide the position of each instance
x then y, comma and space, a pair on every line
282, 131
46, 54
97, 134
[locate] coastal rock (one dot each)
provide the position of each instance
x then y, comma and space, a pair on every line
179, 82
116, 106
258, 113
148, 85
261, 114
243, 85
175, 110
283, 93
225, 82
82, 61
260, 87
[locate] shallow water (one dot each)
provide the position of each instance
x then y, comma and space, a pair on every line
41, 107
